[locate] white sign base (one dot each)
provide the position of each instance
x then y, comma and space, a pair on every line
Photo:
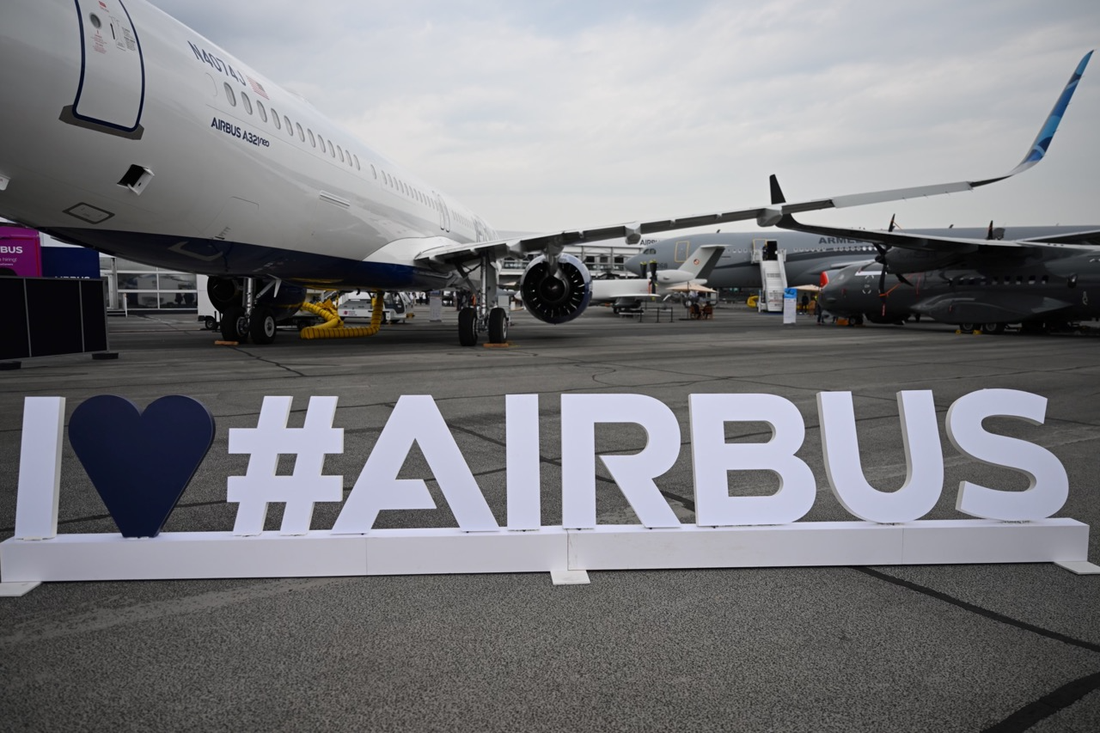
15, 590
1079, 567
180, 555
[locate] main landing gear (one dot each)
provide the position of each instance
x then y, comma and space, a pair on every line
486, 316
250, 308
469, 326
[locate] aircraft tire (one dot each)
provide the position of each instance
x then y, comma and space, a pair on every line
261, 327
467, 327
997, 328
234, 325
498, 326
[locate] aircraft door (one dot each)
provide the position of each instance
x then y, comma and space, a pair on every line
111, 93
444, 214
681, 253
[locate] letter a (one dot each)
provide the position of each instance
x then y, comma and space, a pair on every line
415, 419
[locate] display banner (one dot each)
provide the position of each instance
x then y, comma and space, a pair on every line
141, 461
20, 252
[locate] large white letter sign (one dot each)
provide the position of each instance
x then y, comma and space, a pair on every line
415, 419
712, 458
633, 474
270, 439
1048, 486
521, 418
923, 459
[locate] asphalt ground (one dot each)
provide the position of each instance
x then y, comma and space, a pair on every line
934, 648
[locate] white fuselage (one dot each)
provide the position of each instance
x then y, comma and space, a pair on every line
246, 178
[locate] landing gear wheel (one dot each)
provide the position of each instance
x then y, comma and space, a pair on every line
966, 327
997, 328
234, 325
498, 326
261, 327
467, 327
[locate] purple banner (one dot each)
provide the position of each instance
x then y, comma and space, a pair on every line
19, 252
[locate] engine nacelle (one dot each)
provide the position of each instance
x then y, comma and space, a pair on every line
903, 261
228, 292
556, 298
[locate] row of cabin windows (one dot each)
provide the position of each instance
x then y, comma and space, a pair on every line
333, 150
997, 280
316, 141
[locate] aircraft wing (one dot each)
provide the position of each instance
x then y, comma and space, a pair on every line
1091, 236
931, 243
769, 215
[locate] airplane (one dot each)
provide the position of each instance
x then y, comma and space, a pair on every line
625, 293
808, 255
126, 131
1040, 282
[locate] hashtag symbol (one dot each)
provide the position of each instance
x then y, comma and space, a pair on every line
306, 485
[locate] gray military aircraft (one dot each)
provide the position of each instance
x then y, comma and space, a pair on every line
1040, 283
808, 253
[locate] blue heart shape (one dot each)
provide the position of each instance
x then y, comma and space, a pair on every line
140, 463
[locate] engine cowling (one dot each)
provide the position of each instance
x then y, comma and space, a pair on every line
901, 261
556, 298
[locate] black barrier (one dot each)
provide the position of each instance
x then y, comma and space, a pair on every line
46, 317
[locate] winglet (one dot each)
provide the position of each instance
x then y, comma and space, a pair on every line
1034, 155
1046, 133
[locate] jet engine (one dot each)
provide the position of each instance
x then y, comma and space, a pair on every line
556, 296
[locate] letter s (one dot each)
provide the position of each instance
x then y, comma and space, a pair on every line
1048, 486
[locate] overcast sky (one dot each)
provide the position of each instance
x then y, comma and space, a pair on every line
563, 113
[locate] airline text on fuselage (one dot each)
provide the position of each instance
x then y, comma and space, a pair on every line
216, 63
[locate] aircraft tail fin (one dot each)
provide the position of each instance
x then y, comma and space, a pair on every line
703, 261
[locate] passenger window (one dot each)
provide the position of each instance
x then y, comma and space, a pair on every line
246, 102
261, 110
301, 133
275, 119
331, 149
357, 163
373, 170
321, 140
230, 95
289, 127
340, 150
312, 139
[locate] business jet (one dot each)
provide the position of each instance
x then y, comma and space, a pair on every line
658, 283
126, 131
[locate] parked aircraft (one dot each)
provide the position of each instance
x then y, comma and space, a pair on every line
808, 254
126, 131
657, 283
987, 283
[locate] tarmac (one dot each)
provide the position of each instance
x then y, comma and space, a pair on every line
903, 648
